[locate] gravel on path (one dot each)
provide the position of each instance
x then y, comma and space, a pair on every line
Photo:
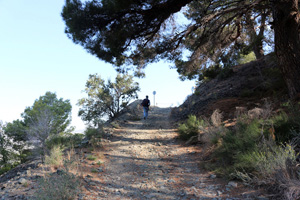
144, 160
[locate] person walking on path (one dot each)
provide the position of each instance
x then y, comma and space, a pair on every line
146, 103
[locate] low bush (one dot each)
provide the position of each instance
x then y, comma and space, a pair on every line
93, 170
65, 139
271, 160
94, 136
58, 186
286, 124
91, 132
282, 127
258, 151
5, 168
55, 158
288, 181
91, 157
264, 166
237, 143
190, 128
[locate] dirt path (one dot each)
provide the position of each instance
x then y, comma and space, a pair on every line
143, 160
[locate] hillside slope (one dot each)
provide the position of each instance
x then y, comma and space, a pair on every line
247, 86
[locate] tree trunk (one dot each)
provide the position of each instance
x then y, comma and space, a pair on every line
256, 39
287, 45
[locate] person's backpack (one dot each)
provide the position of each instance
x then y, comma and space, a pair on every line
145, 103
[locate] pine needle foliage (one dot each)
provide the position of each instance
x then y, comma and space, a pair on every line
190, 128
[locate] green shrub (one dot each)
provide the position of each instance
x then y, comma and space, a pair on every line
91, 157
75, 139
190, 128
286, 124
5, 168
99, 162
273, 159
243, 139
58, 186
93, 170
261, 165
235, 145
250, 153
282, 127
64, 139
91, 132
247, 150
94, 136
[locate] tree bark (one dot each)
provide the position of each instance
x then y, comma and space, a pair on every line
287, 45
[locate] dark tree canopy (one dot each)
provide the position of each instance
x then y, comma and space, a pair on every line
138, 32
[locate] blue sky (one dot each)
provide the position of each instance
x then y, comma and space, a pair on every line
36, 56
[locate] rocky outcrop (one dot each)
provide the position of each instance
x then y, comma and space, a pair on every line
16, 184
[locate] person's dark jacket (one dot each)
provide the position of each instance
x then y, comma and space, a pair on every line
146, 103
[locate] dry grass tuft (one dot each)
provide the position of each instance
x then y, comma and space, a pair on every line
288, 181
216, 118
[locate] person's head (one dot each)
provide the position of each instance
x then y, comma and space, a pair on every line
147, 97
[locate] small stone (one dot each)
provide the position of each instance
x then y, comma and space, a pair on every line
89, 176
38, 175
262, 198
80, 196
3, 186
213, 176
92, 183
4, 197
232, 184
210, 187
22, 181
100, 169
60, 172
28, 172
